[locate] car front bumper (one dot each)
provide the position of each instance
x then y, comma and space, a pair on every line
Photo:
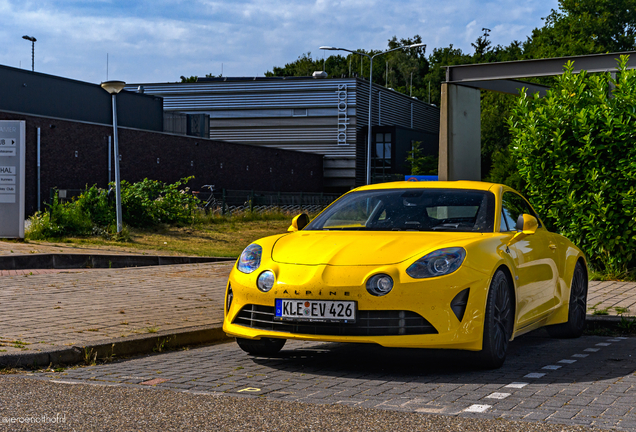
416, 313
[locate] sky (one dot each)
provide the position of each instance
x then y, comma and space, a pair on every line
158, 41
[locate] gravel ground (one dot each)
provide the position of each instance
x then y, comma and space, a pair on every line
104, 408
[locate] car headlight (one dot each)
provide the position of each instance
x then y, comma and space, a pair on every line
266, 280
379, 285
438, 263
250, 258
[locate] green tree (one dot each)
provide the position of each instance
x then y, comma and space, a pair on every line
194, 78
420, 163
582, 27
482, 45
575, 151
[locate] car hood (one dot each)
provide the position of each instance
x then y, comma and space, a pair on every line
347, 248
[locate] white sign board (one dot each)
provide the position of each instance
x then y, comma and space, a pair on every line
12, 173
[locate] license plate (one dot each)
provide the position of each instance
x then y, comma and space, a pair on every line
315, 310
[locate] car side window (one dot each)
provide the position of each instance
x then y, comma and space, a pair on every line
508, 219
513, 206
503, 227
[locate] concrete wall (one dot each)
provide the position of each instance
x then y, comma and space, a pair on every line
460, 133
157, 156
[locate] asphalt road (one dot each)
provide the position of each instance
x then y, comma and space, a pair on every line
85, 407
545, 382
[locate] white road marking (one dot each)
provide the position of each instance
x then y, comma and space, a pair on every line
614, 340
498, 396
534, 375
517, 385
551, 367
566, 361
592, 349
580, 355
621, 338
603, 344
478, 408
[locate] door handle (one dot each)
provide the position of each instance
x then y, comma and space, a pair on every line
553, 246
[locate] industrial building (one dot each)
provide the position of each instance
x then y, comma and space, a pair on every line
315, 115
69, 143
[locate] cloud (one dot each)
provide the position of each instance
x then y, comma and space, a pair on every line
155, 41
471, 31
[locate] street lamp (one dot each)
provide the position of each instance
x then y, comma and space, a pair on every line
371, 89
114, 87
33, 40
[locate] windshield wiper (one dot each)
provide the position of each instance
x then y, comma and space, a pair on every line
446, 226
345, 229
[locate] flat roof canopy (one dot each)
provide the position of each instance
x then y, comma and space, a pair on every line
460, 119
505, 86
535, 68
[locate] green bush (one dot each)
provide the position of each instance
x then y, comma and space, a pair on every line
576, 154
94, 202
144, 204
68, 219
151, 202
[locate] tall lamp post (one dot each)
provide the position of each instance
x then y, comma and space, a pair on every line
114, 87
371, 57
33, 40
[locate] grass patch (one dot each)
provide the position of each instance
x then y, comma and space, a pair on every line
627, 276
606, 310
158, 217
211, 236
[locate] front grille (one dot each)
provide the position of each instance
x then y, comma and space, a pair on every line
368, 323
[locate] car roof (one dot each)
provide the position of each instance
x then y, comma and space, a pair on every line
461, 184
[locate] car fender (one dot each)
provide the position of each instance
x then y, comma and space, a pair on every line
492, 258
572, 255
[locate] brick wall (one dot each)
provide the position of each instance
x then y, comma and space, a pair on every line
157, 156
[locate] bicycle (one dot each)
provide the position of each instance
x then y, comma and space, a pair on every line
212, 204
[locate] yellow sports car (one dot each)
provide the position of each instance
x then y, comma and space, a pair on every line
456, 265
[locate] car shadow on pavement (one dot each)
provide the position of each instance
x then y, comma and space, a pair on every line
527, 354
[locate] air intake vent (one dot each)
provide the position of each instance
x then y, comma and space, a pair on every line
458, 304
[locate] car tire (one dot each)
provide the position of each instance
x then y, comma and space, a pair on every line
498, 323
262, 346
577, 309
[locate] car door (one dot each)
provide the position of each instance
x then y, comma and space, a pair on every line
536, 271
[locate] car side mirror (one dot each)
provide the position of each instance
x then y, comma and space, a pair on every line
526, 225
299, 222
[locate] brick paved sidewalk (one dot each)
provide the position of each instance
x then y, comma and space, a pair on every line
611, 298
46, 311
38, 272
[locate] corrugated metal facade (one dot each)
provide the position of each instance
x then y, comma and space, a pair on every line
303, 114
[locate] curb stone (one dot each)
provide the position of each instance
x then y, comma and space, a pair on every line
123, 347
75, 261
607, 319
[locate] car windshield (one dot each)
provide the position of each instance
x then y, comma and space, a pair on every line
410, 210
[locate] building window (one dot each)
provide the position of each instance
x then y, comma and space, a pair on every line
382, 160
299, 112
383, 146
